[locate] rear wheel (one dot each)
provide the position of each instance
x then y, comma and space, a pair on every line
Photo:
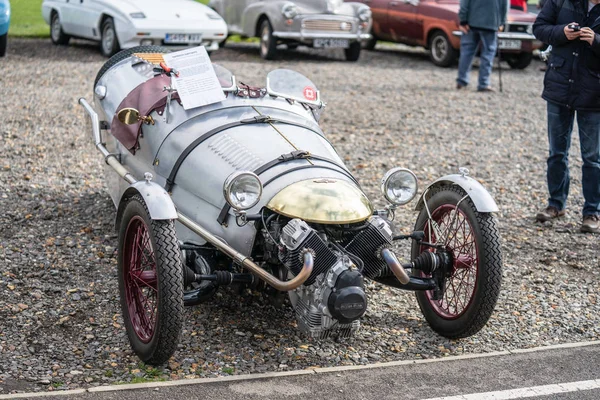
268, 43
441, 51
472, 284
109, 43
353, 52
518, 61
150, 283
3, 44
56, 32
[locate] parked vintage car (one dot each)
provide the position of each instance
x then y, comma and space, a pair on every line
315, 23
249, 191
4, 23
124, 24
433, 24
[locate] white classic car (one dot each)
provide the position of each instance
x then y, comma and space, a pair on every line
124, 24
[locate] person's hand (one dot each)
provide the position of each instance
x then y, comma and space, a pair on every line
464, 28
571, 34
588, 35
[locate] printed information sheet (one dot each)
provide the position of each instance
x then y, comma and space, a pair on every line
197, 83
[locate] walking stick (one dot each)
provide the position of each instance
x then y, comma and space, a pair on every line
499, 65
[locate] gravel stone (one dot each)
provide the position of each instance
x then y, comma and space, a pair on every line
59, 304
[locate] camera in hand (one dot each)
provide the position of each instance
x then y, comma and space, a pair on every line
574, 27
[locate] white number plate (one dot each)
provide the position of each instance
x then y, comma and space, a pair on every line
329, 43
183, 38
507, 44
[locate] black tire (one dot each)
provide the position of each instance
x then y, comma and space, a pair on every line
371, 43
268, 43
480, 259
57, 35
353, 52
123, 54
3, 44
441, 51
109, 43
149, 258
518, 61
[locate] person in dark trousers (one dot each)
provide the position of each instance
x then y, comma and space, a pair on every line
479, 23
572, 89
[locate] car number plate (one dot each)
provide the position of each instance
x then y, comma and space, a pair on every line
183, 38
329, 43
508, 44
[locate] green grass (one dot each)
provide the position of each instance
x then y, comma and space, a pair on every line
26, 19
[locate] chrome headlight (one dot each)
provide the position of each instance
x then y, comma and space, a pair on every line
242, 190
137, 15
289, 11
399, 186
364, 14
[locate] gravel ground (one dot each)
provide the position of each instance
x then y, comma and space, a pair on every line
60, 325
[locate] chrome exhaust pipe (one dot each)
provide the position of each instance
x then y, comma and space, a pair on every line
244, 261
397, 268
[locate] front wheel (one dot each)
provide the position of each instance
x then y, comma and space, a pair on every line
150, 283
441, 51
473, 281
519, 61
3, 44
268, 43
353, 52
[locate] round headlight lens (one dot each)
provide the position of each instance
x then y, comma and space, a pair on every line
399, 186
289, 11
364, 14
242, 190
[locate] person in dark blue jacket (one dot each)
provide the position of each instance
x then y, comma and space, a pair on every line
479, 23
572, 89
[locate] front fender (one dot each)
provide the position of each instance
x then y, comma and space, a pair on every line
482, 199
159, 203
255, 11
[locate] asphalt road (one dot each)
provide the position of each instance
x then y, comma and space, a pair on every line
515, 375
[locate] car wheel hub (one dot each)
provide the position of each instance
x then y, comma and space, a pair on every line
439, 48
108, 39
264, 40
55, 28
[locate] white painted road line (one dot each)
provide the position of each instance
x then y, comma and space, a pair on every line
533, 391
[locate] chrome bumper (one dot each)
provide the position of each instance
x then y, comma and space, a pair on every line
321, 35
506, 35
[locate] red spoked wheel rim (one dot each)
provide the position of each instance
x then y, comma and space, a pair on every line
139, 276
460, 240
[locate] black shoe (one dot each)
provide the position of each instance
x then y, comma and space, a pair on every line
486, 89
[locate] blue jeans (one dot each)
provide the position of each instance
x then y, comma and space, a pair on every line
468, 47
560, 126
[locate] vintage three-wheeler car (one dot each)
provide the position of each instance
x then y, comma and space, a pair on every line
249, 191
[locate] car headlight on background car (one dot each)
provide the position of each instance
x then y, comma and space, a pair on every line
242, 190
364, 14
137, 15
399, 186
289, 11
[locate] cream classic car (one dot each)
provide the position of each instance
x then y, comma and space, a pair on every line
314, 23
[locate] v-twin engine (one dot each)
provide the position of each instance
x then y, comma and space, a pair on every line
332, 299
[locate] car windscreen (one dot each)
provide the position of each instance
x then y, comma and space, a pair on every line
292, 85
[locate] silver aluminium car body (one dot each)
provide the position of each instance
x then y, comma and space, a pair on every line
139, 22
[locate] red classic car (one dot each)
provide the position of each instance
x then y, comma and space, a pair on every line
433, 24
